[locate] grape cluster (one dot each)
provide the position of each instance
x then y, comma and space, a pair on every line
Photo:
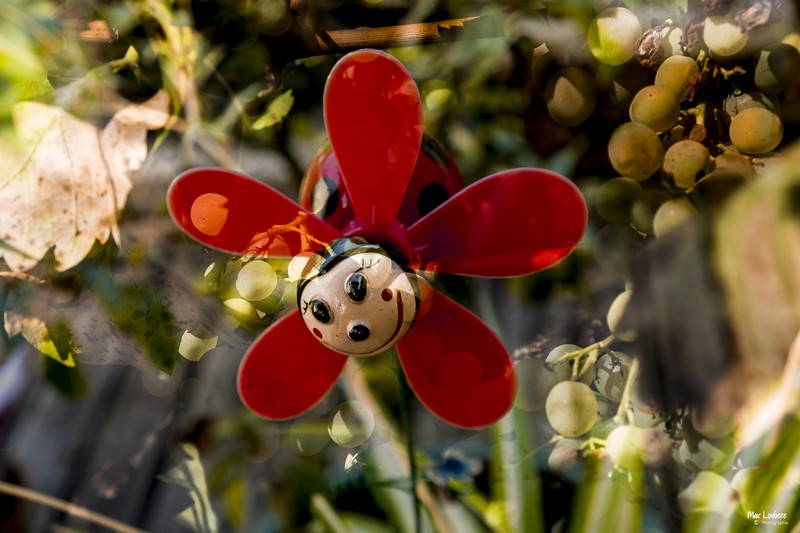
253, 291
594, 406
714, 100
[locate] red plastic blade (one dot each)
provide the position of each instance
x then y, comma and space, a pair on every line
287, 371
243, 216
373, 116
457, 366
508, 224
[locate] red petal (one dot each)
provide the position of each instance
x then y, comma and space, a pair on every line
286, 371
373, 116
233, 212
457, 366
509, 224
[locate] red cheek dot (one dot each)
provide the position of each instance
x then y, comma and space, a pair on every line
317, 332
386, 294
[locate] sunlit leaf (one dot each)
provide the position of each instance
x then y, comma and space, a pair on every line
68, 183
190, 474
277, 110
55, 341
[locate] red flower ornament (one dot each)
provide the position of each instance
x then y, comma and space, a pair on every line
360, 293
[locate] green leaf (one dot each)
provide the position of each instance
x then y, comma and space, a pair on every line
190, 474
31, 88
602, 488
141, 311
277, 110
54, 341
69, 381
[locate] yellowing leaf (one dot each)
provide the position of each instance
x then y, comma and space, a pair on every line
276, 111
190, 474
55, 342
68, 184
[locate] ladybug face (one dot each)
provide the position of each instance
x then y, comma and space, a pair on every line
361, 304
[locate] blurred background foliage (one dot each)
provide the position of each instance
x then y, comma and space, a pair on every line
117, 373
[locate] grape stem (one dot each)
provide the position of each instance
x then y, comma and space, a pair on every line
625, 407
593, 351
699, 113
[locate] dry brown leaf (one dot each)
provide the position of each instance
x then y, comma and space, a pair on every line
69, 182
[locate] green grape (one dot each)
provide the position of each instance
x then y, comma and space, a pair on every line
226, 275
614, 244
756, 131
241, 309
655, 106
741, 484
614, 199
614, 315
675, 73
605, 410
612, 35
563, 369
571, 408
708, 492
777, 68
272, 17
713, 427
565, 454
635, 151
767, 163
352, 424
736, 103
308, 437
623, 446
645, 412
686, 161
256, 280
734, 162
712, 191
671, 214
535, 380
611, 374
571, 95
634, 447
723, 37
644, 209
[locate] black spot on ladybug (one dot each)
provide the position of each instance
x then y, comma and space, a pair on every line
430, 197
324, 198
433, 149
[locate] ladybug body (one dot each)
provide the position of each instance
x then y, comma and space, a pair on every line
435, 179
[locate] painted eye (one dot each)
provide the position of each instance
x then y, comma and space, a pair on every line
320, 310
358, 332
356, 287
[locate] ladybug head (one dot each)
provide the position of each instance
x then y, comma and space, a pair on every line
357, 299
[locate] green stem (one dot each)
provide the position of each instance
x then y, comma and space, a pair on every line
624, 411
326, 514
406, 400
